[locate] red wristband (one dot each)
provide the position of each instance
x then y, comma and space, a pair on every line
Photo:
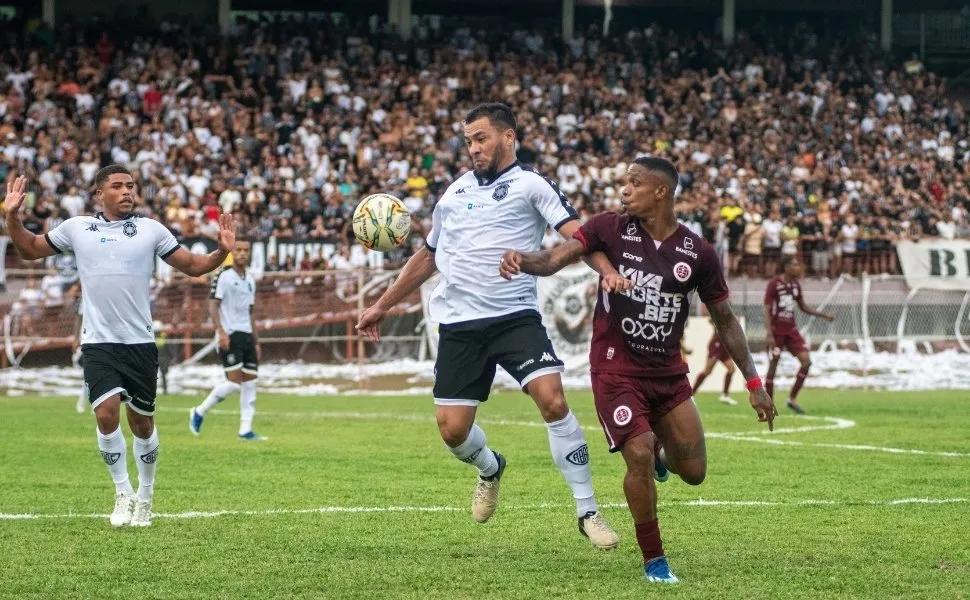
754, 384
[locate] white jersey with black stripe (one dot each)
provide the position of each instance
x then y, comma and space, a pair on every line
236, 294
115, 261
473, 224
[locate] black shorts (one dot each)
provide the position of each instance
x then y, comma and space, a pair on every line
241, 353
469, 352
127, 369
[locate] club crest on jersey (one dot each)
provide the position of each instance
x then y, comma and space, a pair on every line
622, 415
682, 272
500, 192
129, 229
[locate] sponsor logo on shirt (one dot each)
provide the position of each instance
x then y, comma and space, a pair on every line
632, 257
631, 230
106, 240
687, 252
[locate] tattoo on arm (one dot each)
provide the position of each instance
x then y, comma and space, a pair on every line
551, 261
732, 336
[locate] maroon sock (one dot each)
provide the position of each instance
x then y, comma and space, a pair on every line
648, 537
770, 387
727, 382
698, 382
799, 382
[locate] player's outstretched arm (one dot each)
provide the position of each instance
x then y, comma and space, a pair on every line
30, 246
610, 278
808, 310
418, 269
195, 265
732, 336
544, 263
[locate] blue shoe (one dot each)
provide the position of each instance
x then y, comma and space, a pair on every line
661, 472
195, 422
658, 571
251, 436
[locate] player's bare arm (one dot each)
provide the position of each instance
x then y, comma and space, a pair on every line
543, 263
732, 336
418, 269
808, 310
221, 333
30, 246
195, 265
610, 278
769, 337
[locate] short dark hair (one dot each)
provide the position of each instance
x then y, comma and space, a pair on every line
787, 260
102, 177
497, 113
654, 163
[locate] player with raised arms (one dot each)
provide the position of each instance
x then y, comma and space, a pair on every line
640, 386
485, 321
115, 252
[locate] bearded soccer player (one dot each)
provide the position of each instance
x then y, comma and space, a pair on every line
717, 353
486, 322
640, 386
115, 252
782, 295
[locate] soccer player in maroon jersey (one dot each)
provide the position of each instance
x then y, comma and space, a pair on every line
717, 353
640, 386
782, 295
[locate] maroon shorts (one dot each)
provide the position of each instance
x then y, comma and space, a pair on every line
717, 351
628, 406
789, 340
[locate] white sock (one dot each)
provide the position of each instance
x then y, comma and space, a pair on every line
571, 454
115, 455
247, 406
217, 395
474, 452
146, 457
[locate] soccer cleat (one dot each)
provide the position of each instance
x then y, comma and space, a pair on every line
485, 500
143, 514
728, 400
658, 571
795, 406
124, 507
661, 472
593, 526
195, 422
251, 436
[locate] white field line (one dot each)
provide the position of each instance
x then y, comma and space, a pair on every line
856, 447
439, 509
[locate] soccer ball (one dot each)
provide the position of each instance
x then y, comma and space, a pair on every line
381, 222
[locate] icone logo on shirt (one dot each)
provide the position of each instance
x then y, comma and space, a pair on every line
632, 257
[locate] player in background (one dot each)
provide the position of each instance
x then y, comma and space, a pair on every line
231, 306
640, 386
717, 353
486, 322
115, 252
782, 295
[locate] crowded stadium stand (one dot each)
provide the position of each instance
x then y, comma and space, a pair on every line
796, 136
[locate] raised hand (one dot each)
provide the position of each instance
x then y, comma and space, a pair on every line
16, 192
227, 232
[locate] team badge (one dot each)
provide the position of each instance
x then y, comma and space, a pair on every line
501, 192
130, 229
682, 272
622, 415
579, 456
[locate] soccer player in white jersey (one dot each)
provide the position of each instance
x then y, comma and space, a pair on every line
115, 252
231, 305
485, 321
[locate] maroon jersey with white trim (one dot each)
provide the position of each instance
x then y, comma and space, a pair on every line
782, 300
639, 332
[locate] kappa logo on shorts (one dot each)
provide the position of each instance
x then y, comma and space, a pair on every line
682, 272
151, 457
546, 357
110, 458
622, 415
579, 456
472, 458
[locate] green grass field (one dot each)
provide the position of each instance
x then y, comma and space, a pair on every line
815, 513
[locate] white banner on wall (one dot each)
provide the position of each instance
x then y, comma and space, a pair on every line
935, 264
